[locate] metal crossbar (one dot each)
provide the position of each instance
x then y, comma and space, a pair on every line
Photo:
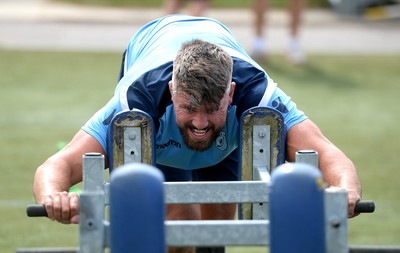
212, 192
216, 192
217, 233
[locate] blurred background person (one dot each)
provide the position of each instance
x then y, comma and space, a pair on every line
260, 44
195, 7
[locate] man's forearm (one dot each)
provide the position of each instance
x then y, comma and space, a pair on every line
52, 176
339, 171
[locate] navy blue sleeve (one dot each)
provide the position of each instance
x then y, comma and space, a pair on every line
251, 83
150, 92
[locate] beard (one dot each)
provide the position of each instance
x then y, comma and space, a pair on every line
196, 144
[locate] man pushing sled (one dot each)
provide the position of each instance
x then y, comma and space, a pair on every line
193, 78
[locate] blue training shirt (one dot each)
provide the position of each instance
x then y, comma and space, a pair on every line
147, 69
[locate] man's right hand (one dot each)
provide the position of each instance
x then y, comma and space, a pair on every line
62, 207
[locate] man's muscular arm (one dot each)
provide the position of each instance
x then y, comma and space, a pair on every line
58, 173
338, 170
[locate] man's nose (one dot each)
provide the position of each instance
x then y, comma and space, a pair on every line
200, 120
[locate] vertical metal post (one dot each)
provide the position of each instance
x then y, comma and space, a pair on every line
137, 209
335, 209
91, 207
261, 148
93, 172
261, 164
336, 220
132, 145
297, 222
308, 157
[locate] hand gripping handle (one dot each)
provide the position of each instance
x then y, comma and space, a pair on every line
39, 210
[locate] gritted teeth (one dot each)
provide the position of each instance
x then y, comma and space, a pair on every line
199, 132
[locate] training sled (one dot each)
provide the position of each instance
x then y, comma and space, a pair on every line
288, 207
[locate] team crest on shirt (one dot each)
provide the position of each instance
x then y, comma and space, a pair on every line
220, 142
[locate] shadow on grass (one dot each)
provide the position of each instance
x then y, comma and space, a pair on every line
316, 72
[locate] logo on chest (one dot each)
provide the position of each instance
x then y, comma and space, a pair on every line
170, 143
220, 142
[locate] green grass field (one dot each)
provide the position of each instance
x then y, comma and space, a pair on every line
47, 96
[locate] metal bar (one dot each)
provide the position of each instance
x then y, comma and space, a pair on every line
107, 234
216, 192
106, 193
375, 249
307, 156
261, 165
211, 192
262, 174
91, 225
93, 172
336, 220
91, 207
261, 147
132, 145
260, 211
217, 233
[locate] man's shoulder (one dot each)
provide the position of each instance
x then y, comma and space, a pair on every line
148, 91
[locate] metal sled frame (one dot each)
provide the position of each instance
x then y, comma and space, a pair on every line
262, 148
131, 138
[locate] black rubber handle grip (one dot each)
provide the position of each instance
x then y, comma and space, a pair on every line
36, 210
365, 206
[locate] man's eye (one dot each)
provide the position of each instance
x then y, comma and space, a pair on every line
212, 109
190, 109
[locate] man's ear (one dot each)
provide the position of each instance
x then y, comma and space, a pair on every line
231, 92
170, 88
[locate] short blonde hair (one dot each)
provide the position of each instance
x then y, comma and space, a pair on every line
203, 71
